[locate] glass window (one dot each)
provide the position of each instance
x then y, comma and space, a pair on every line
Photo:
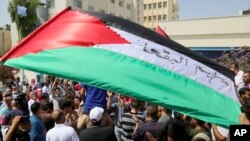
128, 6
159, 17
149, 18
154, 5
121, 3
149, 6
159, 5
145, 6
164, 4
154, 18
112, 1
145, 19
51, 3
164, 17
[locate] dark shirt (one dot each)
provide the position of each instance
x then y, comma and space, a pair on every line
153, 127
11, 114
37, 129
176, 130
98, 133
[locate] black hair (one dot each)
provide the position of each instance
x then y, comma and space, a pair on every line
65, 104
152, 111
135, 104
35, 107
243, 91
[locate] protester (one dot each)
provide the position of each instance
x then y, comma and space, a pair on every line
244, 94
118, 109
200, 131
246, 80
61, 132
128, 121
164, 115
245, 116
31, 101
151, 125
97, 132
37, 131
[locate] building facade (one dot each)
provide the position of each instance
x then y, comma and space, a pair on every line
128, 9
232, 31
5, 41
156, 11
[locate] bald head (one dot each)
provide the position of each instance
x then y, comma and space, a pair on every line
58, 116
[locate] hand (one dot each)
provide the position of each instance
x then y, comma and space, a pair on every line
109, 93
150, 137
15, 121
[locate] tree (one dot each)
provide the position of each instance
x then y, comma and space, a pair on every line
25, 24
240, 55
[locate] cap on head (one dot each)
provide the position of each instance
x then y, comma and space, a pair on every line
95, 114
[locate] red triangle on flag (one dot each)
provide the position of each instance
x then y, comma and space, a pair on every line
161, 32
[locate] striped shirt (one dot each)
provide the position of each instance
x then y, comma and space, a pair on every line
128, 125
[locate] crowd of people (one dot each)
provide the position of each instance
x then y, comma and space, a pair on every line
62, 110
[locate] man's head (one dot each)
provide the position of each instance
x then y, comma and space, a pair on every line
234, 67
246, 77
36, 108
95, 115
39, 92
244, 94
58, 92
135, 105
152, 111
8, 98
58, 116
197, 122
66, 105
32, 95
45, 97
246, 109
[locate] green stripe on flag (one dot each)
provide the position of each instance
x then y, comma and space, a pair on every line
135, 78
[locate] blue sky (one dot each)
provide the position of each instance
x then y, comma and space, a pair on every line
189, 9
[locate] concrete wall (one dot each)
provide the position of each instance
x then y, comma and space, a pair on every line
210, 32
5, 41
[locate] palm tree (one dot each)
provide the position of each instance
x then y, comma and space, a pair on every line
25, 24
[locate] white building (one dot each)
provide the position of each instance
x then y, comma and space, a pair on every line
156, 11
232, 31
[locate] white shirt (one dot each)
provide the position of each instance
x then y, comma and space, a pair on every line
61, 132
30, 102
238, 78
46, 89
1, 86
223, 131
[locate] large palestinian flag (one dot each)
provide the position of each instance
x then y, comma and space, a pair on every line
121, 56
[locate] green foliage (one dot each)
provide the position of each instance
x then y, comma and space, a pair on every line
24, 24
239, 55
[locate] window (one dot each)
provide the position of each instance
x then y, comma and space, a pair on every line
149, 18
145, 19
79, 3
164, 17
154, 5
153, 28
112, 1
145, 6
154, 18
159, 17
91, 8
164, 4
149, 6
128, 6
173, 8
121, 3
159, 5
51, 3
